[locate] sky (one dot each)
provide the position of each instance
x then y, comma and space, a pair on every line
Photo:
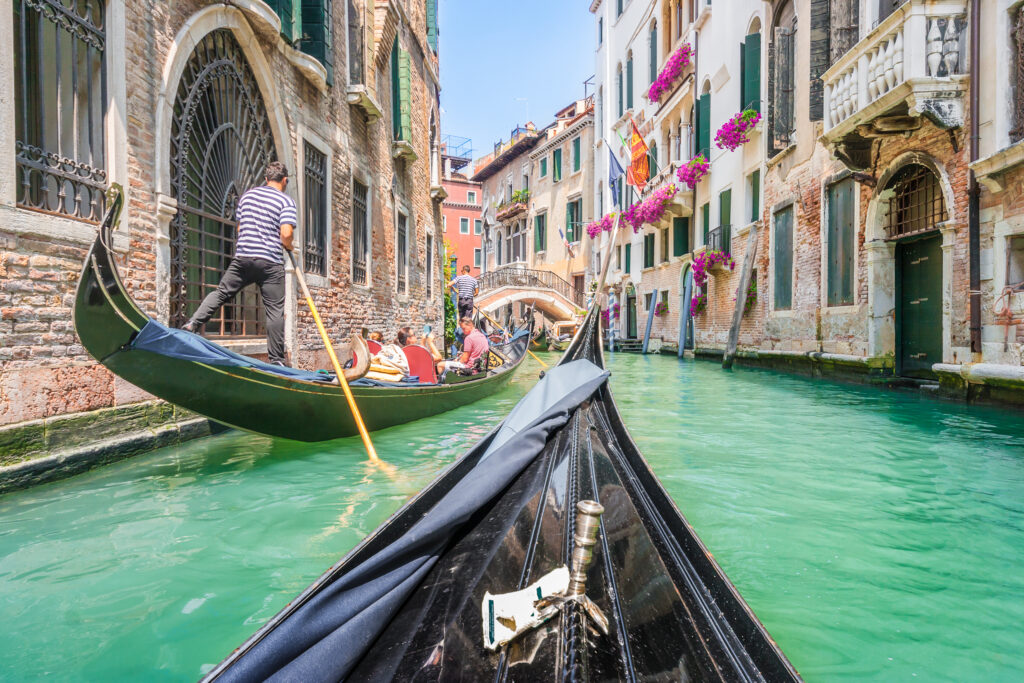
505, 63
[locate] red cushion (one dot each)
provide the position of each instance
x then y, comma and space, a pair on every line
374, 346
421, 363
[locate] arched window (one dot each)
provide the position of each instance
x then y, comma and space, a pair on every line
782, 68
629, 80
916, 205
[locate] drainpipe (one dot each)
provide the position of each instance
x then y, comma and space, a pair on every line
974, 191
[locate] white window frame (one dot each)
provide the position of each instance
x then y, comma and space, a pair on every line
476, 258
471, 197
478, 226
463, 225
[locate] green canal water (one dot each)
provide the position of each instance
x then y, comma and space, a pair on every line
878, 535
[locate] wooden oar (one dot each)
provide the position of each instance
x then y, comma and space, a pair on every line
498, 325
334, 360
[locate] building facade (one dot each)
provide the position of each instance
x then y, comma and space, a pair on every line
183, 104
462, 213
852, 194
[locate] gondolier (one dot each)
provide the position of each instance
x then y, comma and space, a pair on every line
466, 287
266, 222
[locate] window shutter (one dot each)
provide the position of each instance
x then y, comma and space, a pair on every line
782, 98
755, 195
841, 235
618, 77
706, 218
648, 250
432, 24
783, 253
396, 94
576, 149
752, 72
405, 84
316, 33
680, 233
289, 13
704, 125
568, 222
629, 83
537, 246
843, 27
654, 53
771, 99
629, 249
543, 167
725, 207
819, 56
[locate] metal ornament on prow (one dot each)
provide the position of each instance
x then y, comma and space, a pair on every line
588, 523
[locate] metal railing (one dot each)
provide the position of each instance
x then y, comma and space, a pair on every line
525, 277
720, 239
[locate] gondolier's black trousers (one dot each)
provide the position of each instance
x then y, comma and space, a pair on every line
269, 277
465, 307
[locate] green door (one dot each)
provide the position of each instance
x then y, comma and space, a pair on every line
631, 317
919, 306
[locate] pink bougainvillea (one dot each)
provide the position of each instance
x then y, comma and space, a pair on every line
601, 225
698, 304
674, 66
651, 209
693, 171
661, 309
734, 132
610, 314
707, 260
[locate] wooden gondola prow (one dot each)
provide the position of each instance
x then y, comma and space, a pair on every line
339, 373
498, 325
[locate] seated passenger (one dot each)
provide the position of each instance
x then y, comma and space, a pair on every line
390, 364
474, 347
377, 337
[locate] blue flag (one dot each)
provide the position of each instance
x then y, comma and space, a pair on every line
614, 173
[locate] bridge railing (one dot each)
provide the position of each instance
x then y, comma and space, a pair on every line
525, 277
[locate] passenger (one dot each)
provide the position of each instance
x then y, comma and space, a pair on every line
475, 346
390, 364
377, 337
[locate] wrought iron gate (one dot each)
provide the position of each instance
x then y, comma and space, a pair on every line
220, 145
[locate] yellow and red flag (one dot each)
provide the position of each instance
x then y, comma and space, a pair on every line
639, 171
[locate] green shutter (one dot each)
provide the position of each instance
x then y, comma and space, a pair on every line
783, 257
629, 83
725, 219
706, 217
680, 235
751, 84
316, 33
405, 98
543, 167
841, 235
618, 79
704, 125
629, 249
648, 250
396, 94
755, 195
537, 244
432, 24
576, 153
654, 53
568, 221
556, 165
289, 11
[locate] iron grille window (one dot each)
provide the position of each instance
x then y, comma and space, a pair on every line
220, 146
402, 253
1017, 133
60, 98
360, 239
916, 205
430, 265
782, 64
315, 247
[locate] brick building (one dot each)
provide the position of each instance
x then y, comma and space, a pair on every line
462, 210
183, 104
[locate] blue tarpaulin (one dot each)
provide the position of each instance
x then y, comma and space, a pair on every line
325, 636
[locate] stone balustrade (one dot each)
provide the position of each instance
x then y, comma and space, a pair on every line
916, 53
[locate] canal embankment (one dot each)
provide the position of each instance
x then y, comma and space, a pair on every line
48, 449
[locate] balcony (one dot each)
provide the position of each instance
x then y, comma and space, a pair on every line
720, 239
912, 64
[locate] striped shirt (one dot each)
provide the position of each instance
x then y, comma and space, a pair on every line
261, 213
465, 285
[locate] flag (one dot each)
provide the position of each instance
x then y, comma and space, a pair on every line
614, 173
639, 169
568, 247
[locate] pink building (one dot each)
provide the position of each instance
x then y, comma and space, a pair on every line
462, 215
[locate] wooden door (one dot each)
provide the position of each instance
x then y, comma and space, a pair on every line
919, 306
631, 317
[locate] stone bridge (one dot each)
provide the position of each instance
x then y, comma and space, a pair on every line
550, 294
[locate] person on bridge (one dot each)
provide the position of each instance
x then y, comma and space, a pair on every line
266, 223
466, 287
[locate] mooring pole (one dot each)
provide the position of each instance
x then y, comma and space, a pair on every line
684, 319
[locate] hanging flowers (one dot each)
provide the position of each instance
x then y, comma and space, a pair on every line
693, 171
601, 225
707, 260
751, 299
698, 304
661, 309
734, 132
674, 66
610, 314
651, 209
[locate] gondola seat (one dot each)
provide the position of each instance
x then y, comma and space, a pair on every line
421, 363
374, 346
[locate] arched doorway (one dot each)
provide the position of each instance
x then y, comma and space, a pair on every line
916, 208
686, 321
220, 144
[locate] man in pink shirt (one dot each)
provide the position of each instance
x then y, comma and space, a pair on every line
474, 346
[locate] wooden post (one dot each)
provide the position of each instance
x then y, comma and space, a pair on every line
741, 298
650, 320
685, 320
